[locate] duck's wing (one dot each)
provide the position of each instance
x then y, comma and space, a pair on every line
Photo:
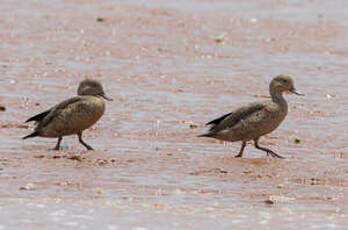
38, 117
56, 110
231, 119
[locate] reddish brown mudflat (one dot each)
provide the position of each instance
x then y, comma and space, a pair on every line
160, 62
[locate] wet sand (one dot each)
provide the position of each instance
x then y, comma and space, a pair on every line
167, 65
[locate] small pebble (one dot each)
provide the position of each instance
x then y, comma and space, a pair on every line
100, 19
29, 186
100, 191
254, 20
280, 186
278, 199
219, 39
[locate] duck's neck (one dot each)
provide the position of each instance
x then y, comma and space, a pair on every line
277, 97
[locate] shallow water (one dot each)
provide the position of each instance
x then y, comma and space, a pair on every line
160, 62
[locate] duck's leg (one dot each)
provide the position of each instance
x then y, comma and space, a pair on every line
58, 144
273, 154
240, 154
84, 143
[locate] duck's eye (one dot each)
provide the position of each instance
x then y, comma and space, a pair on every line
284, 81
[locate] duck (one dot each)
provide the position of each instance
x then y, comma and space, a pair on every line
254, 120
72, 116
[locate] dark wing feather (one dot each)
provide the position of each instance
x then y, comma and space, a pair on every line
231, 119
218, 120
38, 117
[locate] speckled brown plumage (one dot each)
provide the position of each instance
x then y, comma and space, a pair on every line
254, 120
73, 115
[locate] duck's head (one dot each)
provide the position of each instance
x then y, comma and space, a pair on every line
283, 83
93, 88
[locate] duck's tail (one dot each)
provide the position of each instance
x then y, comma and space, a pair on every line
205, 135
34, 134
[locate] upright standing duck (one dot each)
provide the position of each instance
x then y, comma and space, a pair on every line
73, 115
254, 120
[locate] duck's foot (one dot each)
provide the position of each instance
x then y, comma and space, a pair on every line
240, 154
57, 147
273, 154
88, 147
268, 151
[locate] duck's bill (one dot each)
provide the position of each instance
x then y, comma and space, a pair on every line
106, 97
296, 92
